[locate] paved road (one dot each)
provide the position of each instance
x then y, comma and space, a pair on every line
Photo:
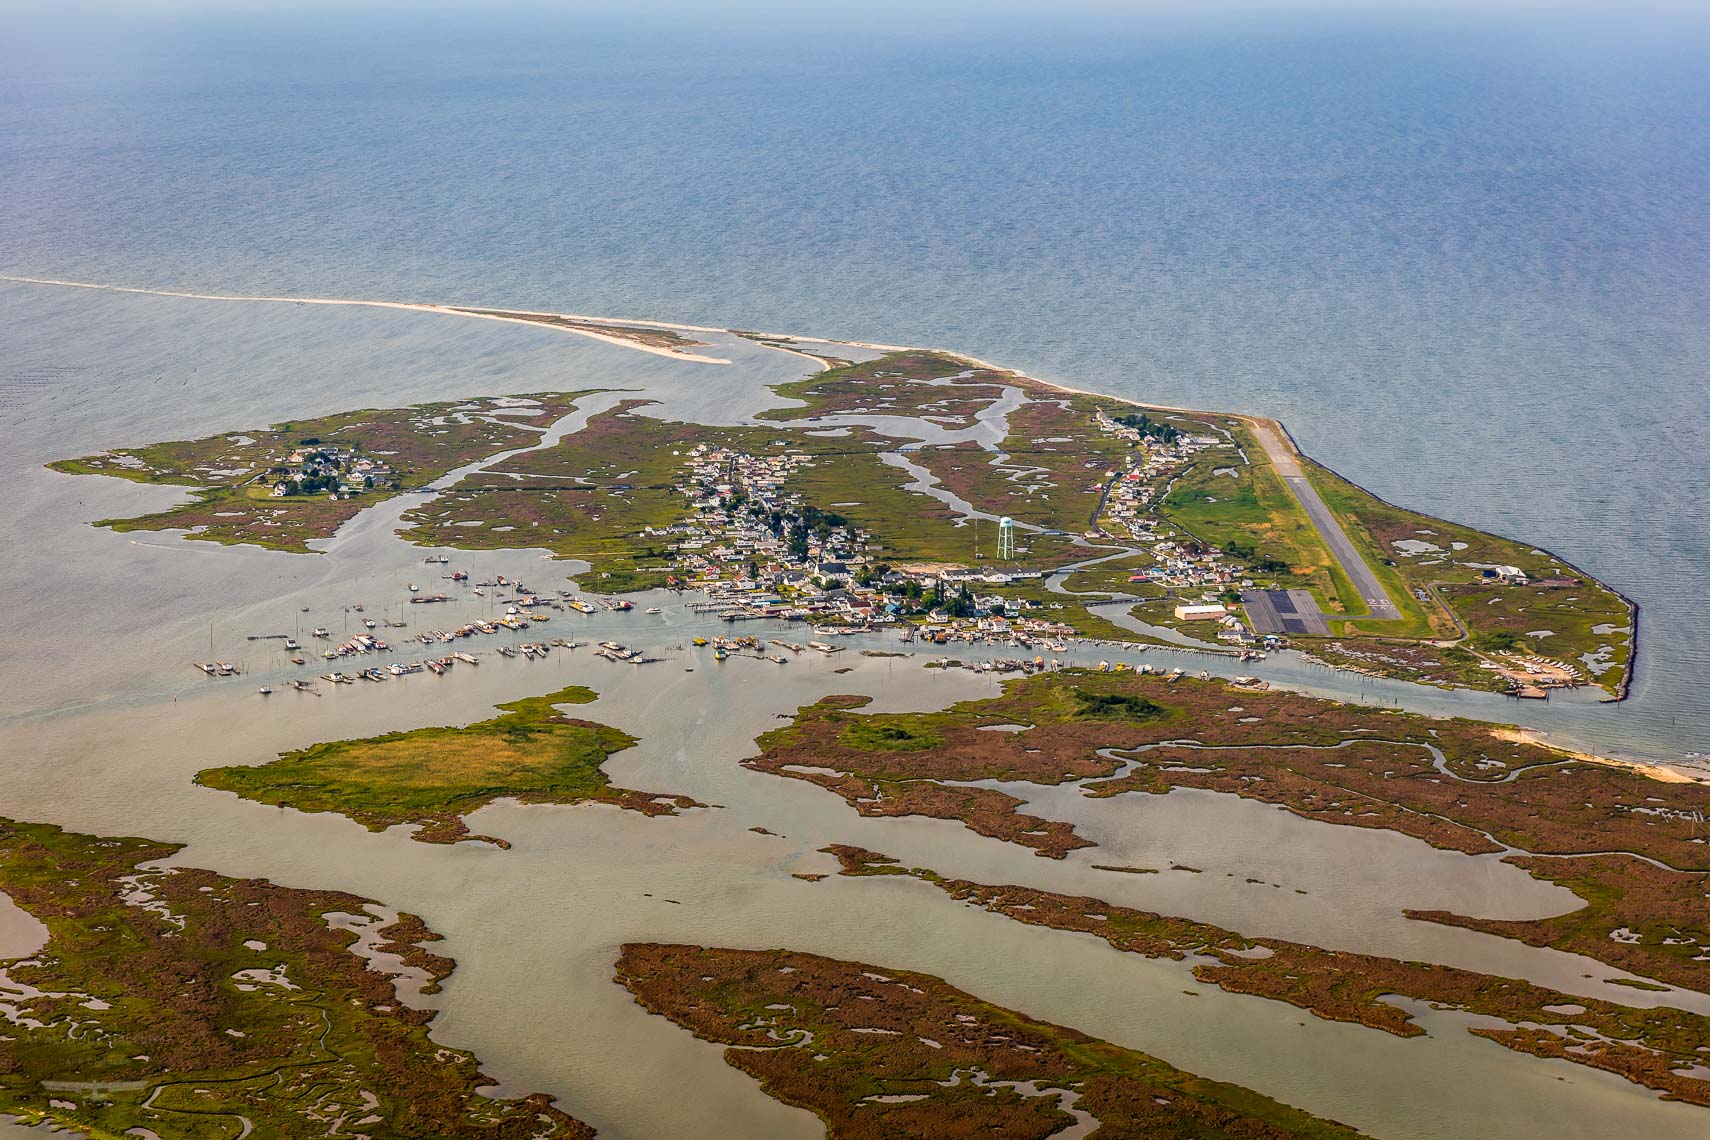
1287, 463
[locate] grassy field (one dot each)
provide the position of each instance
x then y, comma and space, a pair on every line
1055, 470
432, 777
893, 385
249, 1015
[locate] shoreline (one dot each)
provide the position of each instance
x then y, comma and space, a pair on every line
413, 306
1654, 770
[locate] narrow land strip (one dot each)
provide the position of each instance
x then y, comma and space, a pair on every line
1283, 458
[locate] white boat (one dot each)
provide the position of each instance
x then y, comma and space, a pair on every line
265, 691
653, 610
414, 587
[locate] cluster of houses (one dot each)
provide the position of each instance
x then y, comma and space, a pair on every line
343, 471
1182, 564
752, 543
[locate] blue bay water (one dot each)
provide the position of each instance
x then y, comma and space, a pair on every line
1467, 263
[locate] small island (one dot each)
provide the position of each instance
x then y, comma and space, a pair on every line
432, 777
285, 486
208, 1007
874, 1051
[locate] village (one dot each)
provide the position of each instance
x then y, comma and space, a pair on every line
757, 551
313, 467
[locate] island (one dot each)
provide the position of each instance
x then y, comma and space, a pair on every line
925, 488
432, 777
874, 1051
285, 486
194, 1005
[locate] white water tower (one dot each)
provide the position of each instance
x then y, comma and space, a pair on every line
1006, 538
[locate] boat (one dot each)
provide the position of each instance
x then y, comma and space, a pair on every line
436, 559
778, 657
653, 610
369, 623
414, 587
720, 653
700, 641
320, 632
291, 644
265, 691
296, 661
